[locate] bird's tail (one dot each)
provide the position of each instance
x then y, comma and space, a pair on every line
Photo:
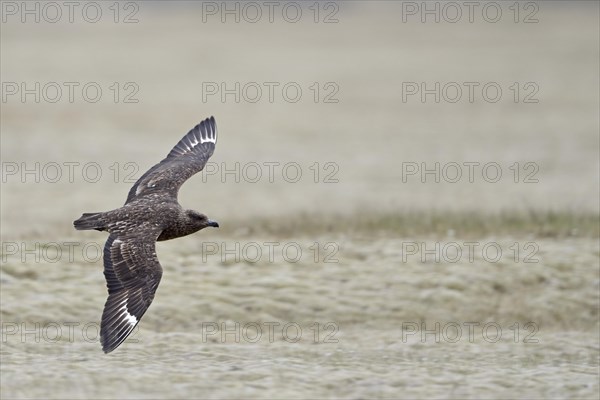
90, 221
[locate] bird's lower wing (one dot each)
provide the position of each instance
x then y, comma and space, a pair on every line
132, 273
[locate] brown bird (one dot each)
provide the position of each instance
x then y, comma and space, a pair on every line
151, 213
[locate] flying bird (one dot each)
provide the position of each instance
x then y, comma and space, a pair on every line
151, 213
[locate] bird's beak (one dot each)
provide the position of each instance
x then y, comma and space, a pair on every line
214, 224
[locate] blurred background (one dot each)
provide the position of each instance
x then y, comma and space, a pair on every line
363, 133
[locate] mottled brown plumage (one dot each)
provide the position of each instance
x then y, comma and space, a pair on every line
151, 213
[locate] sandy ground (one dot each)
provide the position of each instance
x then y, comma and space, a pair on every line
262, 310
370, 325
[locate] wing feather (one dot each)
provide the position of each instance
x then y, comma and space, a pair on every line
132, 273
188, 157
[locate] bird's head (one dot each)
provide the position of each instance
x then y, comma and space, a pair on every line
200, 220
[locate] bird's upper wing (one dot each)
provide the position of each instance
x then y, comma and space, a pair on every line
185, 159
132, 273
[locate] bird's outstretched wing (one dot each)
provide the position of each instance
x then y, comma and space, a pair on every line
187, 158
132, 273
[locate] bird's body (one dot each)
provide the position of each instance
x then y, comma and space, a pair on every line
151, 213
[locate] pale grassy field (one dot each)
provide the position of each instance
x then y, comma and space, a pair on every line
368, 286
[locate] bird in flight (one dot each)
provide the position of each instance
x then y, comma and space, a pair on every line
151, 213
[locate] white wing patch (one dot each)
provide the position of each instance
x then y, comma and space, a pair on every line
131, 319
209, 137
125, 316
204, 132
196, 137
